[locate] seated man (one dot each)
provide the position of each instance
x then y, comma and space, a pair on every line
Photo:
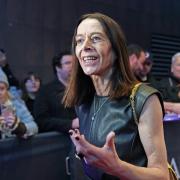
170, 86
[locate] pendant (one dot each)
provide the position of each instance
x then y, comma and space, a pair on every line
93, 118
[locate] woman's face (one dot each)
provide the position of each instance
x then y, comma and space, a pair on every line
32, 84
3, 92
93, 48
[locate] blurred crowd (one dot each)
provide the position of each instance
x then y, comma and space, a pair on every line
29, 107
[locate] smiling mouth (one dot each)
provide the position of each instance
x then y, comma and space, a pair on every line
89, 59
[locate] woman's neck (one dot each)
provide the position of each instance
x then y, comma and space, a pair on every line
102, 84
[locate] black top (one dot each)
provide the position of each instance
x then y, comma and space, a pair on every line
30, 104
113, 115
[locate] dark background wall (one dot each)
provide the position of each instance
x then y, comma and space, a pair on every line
32, 31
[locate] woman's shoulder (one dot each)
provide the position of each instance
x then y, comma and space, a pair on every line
143, 93
146, 90
18, 102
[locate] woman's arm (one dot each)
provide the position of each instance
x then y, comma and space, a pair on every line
25, 118
151, 135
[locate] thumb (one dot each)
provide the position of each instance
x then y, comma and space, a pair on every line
110, 141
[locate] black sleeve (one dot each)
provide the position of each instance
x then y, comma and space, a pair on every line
20, 130
48, 120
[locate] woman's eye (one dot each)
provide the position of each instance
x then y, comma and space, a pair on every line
96, 38
79, 41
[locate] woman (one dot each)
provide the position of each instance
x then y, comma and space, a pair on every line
111, 144
31, 86
15, 119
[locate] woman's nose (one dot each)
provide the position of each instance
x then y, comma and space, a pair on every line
87, 44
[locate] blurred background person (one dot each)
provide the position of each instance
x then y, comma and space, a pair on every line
147, 65
51, 115
31, 86
170, 89
170, 86
145, 74
137, 57
15, 119
171, 107
49, 112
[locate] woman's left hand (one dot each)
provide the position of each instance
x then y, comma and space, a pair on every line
105, 157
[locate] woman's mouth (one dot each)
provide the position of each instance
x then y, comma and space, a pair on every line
89, 60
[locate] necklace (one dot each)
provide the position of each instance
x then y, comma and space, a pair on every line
95, 112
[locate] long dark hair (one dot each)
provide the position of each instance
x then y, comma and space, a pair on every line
80, 88
25, 95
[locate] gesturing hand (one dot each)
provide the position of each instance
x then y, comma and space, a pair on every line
105, 157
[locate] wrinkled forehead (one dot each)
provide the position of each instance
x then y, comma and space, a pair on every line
88, 26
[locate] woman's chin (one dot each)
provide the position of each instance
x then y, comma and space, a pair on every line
89, 72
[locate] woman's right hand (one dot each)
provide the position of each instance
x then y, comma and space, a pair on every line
105, 158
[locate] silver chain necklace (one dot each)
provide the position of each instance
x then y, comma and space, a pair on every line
95, 112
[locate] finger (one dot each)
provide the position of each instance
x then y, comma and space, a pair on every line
110, 141
75, 137
81, 144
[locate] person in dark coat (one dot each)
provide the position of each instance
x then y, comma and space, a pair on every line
49, 112
51, 115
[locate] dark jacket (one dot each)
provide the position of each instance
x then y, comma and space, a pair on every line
169, 88
30, 104
49, 112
